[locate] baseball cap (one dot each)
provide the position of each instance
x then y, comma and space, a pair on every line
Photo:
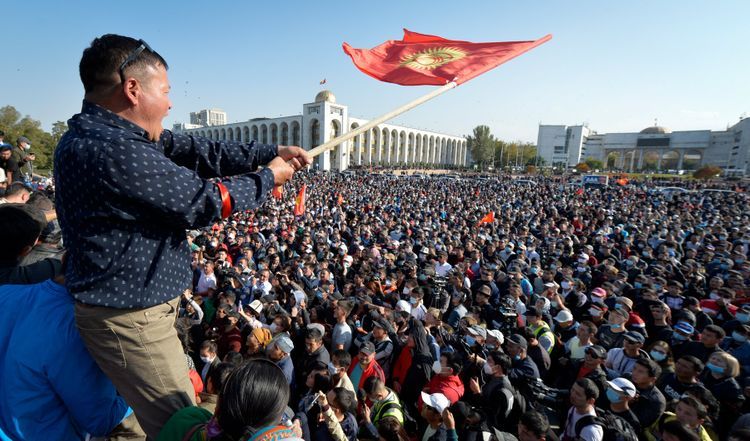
367, 348
564, 316
518, 340
598, 292
635, 337
624, 303
403, 305
622, 385
685, 328
497, 335
596, 351
22, 139
477, 330
437, 401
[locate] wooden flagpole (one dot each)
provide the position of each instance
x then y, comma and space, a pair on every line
379, 120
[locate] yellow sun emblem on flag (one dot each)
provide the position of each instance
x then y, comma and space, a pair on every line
432, 58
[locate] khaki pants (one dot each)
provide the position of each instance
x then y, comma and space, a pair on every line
139, 351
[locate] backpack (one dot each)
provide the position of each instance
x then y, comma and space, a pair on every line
615, 428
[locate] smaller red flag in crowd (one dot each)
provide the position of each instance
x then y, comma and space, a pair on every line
299, 202
579, 191
277, 192
488, 219
340, 199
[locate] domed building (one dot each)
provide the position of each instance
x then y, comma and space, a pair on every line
325, 119
654, 149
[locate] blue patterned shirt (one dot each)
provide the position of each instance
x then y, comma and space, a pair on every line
124, 203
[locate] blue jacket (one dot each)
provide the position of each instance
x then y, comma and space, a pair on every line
51, 387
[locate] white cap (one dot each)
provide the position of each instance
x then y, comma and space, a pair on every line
403, 305
437, 401
563, 316
623, 385
497, 335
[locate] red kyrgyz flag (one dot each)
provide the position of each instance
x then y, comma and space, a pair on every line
278, 191
488, 219
579, 191
421, 59
299, 202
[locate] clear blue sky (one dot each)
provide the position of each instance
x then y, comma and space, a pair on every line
615, 65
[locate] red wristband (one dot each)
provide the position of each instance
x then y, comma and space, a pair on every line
226, 201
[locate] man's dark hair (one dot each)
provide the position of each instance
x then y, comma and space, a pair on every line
219, 374
654, 370
314, 334
679, 430
501, 359
100, 63
698, 365
372, 384
535, 422
210, 345
589, 388
16, 188
21, 226
452, 361
234, 358
40, 201
717, 330
344, 358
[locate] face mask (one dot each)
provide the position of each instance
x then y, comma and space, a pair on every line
471, 341
206, 359
739, 337
437, 367
657, 286
742, 317
658, 356
637, 285
645, 254
613, 396
406, 291
714, 296
553, 304
27, 147
490, 347
274, 328
678, 337
715, 369
214, 244
319, 295
565, 285
332, 369
487, 369
517, 357
413, 300
629, 263
534, 270
595, 312
581, 269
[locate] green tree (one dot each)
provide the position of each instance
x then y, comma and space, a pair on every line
481, 145
583, 167
594, 164
42, 143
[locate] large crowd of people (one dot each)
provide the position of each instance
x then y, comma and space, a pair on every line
392, 312
154, 290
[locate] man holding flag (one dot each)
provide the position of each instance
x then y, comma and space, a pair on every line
126, 192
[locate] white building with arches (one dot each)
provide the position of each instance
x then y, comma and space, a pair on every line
325, 119
654, 148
